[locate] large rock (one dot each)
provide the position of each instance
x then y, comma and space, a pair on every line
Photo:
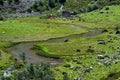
7, 74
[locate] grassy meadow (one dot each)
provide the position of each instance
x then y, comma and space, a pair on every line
80, 56
6, 60
100, 18
86, 57
34, 29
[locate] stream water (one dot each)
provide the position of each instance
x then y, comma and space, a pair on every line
31, 55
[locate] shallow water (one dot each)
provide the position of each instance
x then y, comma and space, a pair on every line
31, 55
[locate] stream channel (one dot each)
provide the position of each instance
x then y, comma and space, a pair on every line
31, 55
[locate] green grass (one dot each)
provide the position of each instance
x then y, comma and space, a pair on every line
4, 44
42, 51
33, 28
83, 44
6, 60
67, 50
95, 19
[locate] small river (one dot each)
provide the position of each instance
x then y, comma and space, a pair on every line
31, 55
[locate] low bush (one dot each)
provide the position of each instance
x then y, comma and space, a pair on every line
1, 18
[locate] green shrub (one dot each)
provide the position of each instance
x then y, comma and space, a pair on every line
1, 18
45, 54
34, 72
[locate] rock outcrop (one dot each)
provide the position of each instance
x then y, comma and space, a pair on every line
21, 6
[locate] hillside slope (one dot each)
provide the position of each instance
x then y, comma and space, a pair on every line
42, 5
15, 5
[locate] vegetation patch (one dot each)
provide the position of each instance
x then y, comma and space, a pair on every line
92, 61
42, 51
84, 58
5, 60
33, 28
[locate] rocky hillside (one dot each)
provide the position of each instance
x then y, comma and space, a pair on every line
41, 5
14, 7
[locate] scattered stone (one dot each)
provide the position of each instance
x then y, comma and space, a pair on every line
118, 52
88, 69
107, 63
113, 57
115, 62
75, 78
80, 78
101, 42
66, 40
66, 14
80, 72
7, 74
56, 69
118, 47
100, 57
74, 68
99, 63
